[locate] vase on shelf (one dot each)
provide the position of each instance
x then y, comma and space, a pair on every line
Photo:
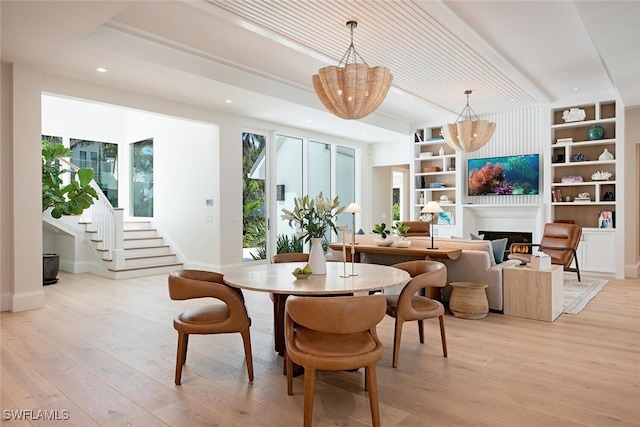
596, 132
317, 260
606, 155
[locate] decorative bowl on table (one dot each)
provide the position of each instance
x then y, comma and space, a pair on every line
383, 242
402, 243
302, 275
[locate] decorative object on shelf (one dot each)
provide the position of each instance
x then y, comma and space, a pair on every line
606, 155
353, 209
441, 151
436, 185
606, 219
583, 197
444, 200
573, 115
556, 195
567, 199
352, 90
596, 132
426, 154
431, 169
468, 135
558, 158
571, 178
421, 198
601, 176
314, 217
418, 137
445, 218
564, 140
579, 157
608, 197
432, 208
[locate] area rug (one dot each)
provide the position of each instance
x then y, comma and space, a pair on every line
578, 294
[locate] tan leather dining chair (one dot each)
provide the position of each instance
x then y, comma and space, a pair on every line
410, 306
226, 317
334, 334
559, 241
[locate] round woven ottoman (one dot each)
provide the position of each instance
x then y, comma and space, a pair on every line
468, 300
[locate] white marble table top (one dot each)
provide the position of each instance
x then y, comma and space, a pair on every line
278, 278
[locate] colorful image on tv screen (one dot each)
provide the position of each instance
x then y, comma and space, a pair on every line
504, 175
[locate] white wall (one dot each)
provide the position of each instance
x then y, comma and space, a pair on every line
631, 191
185, 153
21, 261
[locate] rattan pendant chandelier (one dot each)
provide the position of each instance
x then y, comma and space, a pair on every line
468, 135
352, 90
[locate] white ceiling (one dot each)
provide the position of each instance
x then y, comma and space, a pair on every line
262, 54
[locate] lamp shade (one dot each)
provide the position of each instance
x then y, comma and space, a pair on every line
354, 208
468, 134
432, 207
353, 91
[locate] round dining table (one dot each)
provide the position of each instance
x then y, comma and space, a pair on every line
280, 282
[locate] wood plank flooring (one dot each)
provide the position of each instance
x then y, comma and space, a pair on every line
102, 353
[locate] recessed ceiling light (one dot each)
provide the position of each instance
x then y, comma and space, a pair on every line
228, 101
101, 70
576, 88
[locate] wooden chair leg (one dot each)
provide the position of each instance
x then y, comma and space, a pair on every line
248, 357
181, 355
370, 372
396, 341
288, 368
309, 384
443, 335
421, 330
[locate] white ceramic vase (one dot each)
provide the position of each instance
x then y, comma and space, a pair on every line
317, 260
606, 155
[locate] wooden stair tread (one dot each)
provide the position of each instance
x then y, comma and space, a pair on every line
146, 267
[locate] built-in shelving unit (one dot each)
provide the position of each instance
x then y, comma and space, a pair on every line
575, 158
435, 175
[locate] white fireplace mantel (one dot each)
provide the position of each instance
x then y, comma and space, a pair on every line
503, 217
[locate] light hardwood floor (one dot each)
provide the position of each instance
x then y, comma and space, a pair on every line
104, 351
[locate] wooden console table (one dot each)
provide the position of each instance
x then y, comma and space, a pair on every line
414, 251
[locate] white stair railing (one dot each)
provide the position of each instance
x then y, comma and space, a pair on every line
107, 222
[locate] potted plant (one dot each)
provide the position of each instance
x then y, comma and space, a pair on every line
400, 229
70, 198
314, 218
381, 229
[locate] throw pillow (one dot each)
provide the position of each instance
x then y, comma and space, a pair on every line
499, 246
476, 237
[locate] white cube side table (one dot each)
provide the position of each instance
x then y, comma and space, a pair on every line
533, 294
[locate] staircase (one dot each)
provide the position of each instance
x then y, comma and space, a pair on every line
145, 252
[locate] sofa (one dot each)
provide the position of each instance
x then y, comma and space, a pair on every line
475, 264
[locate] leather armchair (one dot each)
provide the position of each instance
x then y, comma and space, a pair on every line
559, 241
228, 317
409, 306
418, 228
334, 334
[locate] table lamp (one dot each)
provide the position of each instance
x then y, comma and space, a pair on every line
353, 208
432, 208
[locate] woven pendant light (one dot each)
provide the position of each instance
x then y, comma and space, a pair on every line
353, 90
468, 135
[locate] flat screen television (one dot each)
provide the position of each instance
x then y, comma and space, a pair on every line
505, 175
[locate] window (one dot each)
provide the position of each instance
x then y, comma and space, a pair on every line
142, 178
104, 162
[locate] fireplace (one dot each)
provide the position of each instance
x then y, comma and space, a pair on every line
512, 237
